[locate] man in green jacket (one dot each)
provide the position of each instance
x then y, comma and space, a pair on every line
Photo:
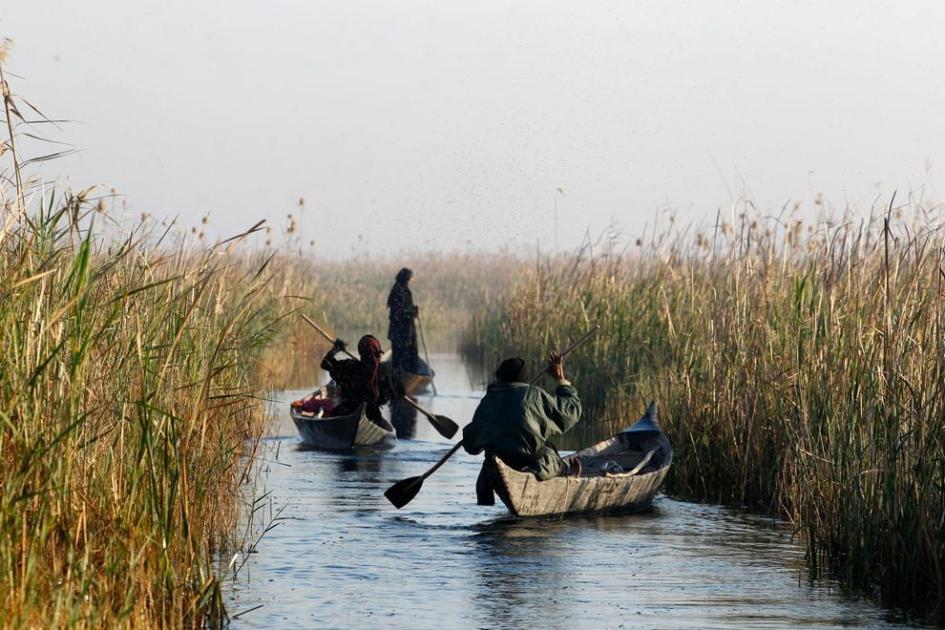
515, 420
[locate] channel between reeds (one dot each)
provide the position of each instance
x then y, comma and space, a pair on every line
798, 368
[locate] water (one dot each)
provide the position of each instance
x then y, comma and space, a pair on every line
341, 556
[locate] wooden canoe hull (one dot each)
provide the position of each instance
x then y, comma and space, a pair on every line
642, 449
415, 383
524, 495
342, 432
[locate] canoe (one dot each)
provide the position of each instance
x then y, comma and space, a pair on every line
342, 432
416, 383
620, 474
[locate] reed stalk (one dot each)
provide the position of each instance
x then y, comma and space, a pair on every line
799, 369
125, 411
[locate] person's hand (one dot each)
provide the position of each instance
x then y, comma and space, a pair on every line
556, 366
339, 345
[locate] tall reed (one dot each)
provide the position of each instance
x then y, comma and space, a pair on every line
798, 368
125, 410
447, 287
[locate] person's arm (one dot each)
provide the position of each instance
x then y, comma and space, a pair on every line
330, 363
472, 432
564, 410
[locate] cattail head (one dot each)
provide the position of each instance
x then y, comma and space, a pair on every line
5, 45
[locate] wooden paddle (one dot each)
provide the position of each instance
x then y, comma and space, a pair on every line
446, 427
426, 354
403, 492
443, 425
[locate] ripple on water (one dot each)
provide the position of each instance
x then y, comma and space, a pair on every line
343, 557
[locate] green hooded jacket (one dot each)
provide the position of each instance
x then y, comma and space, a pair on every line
516, 420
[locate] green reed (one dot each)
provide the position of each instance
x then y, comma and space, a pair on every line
798, 369
126, 378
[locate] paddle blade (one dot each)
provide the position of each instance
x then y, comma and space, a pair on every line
403, 492
445, 426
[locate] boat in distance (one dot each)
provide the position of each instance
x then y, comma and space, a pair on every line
416, 383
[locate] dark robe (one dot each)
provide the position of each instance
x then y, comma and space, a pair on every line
354, 383
515, 421
403, 331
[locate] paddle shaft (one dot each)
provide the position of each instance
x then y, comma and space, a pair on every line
570, 348
442, 461
413, 404
426, 354
324, 334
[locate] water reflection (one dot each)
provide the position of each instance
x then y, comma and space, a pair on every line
365, 464
343, 557
404, 418
519, 570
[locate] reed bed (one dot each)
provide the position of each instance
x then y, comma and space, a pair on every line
127, 415
448, 288
798, 369
348, 298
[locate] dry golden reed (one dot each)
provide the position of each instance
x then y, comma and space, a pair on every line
799, 369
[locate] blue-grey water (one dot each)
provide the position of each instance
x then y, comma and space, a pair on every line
339, 556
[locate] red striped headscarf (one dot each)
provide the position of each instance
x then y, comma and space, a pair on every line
370, 350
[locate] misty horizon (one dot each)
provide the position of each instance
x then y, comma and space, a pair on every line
453, 127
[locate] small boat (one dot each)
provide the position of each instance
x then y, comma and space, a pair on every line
620, 474
416, 383
342, 432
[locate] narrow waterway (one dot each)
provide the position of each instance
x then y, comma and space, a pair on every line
339, 556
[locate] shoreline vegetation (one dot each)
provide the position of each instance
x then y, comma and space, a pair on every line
348, 298
136, 362
129, 421
798, 368
127, 384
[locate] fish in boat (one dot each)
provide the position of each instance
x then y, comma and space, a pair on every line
620, 474
341, 432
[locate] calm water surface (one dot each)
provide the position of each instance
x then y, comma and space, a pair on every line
340, 556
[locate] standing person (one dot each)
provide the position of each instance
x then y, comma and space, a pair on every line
402, 331
515, 421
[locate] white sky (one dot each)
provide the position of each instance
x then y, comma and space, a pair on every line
436, 124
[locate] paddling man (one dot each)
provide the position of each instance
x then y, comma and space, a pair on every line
403, 331
515, 420
360, 381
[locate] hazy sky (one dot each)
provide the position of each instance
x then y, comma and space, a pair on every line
436, 124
